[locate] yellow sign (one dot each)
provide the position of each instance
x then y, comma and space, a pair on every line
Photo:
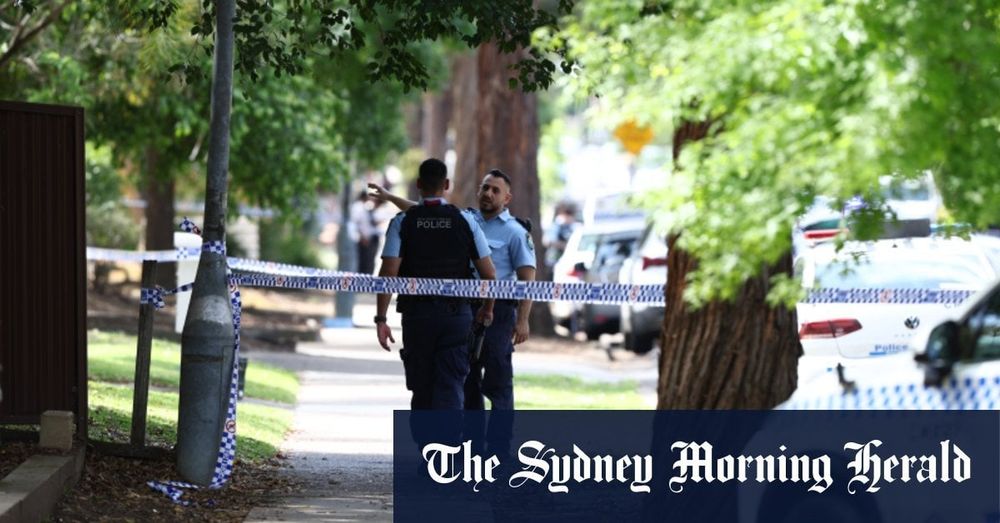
633, 137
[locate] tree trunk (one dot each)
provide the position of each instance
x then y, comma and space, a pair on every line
465, 86
436, 109
158, 191
497, 127
726, 355
413, 119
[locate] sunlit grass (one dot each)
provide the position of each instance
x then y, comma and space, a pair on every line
260, 429
111, 369
111, 358
555, 392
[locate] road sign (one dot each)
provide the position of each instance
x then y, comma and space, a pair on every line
633, 137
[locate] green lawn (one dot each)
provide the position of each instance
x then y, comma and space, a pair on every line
111, 358
555, 392
260, 428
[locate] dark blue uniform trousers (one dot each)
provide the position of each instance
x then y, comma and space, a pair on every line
493, 377
435, 358
436, 353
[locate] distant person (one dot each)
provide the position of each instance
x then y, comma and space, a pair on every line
367, 233
557, 236
434, 239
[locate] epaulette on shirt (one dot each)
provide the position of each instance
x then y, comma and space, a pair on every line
524, 222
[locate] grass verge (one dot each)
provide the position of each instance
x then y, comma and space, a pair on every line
111, 358
260, 428
556, 392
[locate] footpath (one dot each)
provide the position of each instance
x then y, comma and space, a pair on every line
340, 448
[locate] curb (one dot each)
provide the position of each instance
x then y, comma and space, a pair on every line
31, 491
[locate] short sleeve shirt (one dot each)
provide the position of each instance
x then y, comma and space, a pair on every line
393, 241
509, 242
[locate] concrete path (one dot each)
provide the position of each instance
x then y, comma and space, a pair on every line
340, 449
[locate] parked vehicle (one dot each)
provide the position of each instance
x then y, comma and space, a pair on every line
576, 261
641, 323
879, 322
613, 248
875, 322
951, 365
944, 367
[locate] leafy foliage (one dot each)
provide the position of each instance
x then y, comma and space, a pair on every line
281, 36
804, 98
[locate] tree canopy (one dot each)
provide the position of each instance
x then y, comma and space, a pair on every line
803, 98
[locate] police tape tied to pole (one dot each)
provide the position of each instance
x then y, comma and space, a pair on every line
257, 273
227, 444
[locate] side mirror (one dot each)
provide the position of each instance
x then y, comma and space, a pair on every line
940, 354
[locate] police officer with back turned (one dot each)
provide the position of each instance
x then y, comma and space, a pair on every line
434, 239
513, 255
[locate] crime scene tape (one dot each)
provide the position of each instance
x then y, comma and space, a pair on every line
258, 273
227, 444
189, 253
895, 296
606, 293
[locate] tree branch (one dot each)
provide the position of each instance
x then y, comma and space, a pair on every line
19, 40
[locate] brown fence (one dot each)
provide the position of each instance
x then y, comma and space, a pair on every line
43, 341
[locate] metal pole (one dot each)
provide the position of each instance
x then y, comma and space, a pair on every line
140, 394
207, 341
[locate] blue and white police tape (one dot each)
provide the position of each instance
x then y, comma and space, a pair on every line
156, 295
608, 293
186, 253
227, 446
888, 296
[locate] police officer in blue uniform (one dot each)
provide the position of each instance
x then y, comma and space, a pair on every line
434, 239
513, 255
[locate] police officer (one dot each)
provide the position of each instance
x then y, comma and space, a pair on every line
434, 239
513, 255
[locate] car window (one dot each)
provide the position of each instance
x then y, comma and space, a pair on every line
614, 249
939, 273
903, 189
588, 242
984, 324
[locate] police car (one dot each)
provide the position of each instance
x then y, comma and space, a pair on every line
951, 364
904, 284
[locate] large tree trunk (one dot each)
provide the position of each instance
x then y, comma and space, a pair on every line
726, 355
465, 93
741, 354
436, 114
497, 127
158, 191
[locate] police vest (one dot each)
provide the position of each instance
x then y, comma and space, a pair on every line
436, 242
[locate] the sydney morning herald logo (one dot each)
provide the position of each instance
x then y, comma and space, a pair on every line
696, 462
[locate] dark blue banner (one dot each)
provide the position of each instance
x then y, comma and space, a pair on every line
697, 466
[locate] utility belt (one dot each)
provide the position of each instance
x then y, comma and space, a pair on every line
410, 303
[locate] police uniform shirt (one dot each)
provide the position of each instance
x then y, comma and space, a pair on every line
510, 243
393, 240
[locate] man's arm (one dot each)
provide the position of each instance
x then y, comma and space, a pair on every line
381, 194
390, 268
521, 331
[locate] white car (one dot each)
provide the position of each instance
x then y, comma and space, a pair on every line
873, 296
577, 259
952, 365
